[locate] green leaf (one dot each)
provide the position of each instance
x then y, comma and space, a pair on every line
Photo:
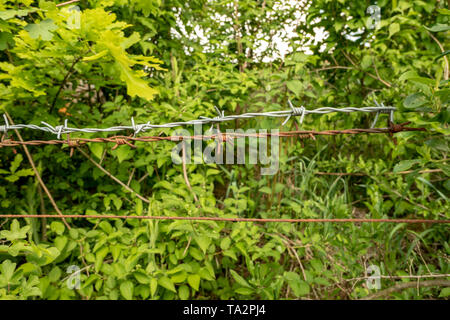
393, 29
408, 75
444, 293
165, 282
153, 286
194, 281
97, 149
99, 257
244, 291
295, 86
423, 80
142, 277
366, 62
414, 101
15, 163
126, 289
55, 274
121, 153
8, 14
7, 268
439, 27
96, 57
139, 207
266, 190
444, 11
225, 243
42, 29
298, 286
239, 279
6, 40
57, 227
203, 242
135, 85
16, 232
428, 183
183, 292
405, 165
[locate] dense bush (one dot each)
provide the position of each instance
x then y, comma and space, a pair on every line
165, 61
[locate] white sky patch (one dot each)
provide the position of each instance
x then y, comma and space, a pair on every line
281, 43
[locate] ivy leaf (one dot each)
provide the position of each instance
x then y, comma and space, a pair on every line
42, 29
16, 232
8, 268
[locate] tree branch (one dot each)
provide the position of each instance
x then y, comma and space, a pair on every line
36, 173
111, 176
407, 285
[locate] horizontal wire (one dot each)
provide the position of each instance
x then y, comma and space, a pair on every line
119, 140
137, 128
356, 220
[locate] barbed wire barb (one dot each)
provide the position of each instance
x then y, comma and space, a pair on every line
138, 128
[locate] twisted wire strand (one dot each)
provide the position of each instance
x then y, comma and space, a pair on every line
138, 128
120, 140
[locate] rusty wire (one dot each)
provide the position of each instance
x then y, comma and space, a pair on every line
129, 140
313, 220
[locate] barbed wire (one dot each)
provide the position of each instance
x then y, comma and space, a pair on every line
121, 140
139, 128
234, 219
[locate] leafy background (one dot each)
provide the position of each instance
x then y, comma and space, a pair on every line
164, 61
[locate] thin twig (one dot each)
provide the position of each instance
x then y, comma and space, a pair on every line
400, 277
111, 176
67, 2
446, 69
36, 172
387, 84
407, 285
131, 176
69, 72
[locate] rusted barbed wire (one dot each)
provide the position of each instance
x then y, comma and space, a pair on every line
121, 140
307, 220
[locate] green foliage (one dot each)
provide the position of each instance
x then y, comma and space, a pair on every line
117, 59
